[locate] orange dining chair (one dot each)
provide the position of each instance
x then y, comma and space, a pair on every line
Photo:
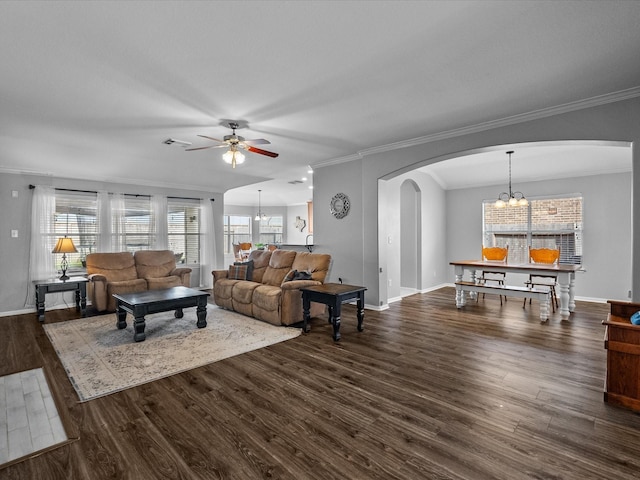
237, 255
272, 247
245, 250
494, 254
547, 256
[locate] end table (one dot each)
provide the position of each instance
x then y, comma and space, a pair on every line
77, 284
333, 295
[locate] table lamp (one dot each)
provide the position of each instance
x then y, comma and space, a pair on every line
65, 245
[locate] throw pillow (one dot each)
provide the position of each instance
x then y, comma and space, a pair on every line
237, 272
249, 265
302, 275
289, 276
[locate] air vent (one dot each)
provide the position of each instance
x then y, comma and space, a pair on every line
171, 141
293, 182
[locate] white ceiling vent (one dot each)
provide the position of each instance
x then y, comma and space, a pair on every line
171, 141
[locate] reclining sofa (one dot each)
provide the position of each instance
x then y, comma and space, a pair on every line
269, 287
123, 272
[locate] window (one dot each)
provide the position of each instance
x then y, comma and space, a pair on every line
76, 217
137, 227
553, 222
237, 229
183, 224
271, 230
132, 226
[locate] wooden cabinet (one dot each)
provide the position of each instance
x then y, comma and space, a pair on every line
622, 342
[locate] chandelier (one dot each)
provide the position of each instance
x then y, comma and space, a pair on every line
512, 198
260, 215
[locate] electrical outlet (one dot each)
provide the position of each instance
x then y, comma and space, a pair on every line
389, 282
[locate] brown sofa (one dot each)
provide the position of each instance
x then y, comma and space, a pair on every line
123, 272
267, 295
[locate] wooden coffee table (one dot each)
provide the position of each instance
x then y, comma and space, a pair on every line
155, 301
333, 295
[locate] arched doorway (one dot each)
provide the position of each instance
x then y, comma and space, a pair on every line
410, 238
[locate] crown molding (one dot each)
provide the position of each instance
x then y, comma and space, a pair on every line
116, 180
484, 126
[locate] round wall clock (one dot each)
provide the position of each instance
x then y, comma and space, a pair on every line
340, 205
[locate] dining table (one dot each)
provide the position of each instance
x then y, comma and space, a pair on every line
565, 276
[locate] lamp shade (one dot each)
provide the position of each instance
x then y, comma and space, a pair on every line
64, 245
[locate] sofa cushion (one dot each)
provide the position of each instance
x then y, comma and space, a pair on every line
223, 291
115, 267
163, 282
315, 263
266, 303
242, 296
154, 263
260, 260
125, 286
279, 264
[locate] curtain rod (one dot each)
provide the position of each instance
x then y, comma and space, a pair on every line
31, 187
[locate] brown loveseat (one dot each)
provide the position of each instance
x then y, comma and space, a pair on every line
268, 295
123, 272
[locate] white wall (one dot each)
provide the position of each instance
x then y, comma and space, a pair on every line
294, 235
434, 268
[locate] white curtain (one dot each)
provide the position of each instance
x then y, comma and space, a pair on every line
41, 260
159, 222
104, 222
118, 220
207, 243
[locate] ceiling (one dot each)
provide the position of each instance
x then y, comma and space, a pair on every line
92, 89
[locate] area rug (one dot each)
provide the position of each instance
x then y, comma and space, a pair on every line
100, 359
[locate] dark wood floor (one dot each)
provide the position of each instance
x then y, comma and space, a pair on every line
425, 391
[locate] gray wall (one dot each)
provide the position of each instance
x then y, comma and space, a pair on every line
342, 238
360, 179
15, 214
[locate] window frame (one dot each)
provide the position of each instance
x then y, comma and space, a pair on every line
531, 233
229, 237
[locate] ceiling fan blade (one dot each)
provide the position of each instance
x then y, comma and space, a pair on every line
257, 141
211, 138
199, 148
261, 152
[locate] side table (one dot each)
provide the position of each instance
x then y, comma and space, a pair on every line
55, 285
333, 295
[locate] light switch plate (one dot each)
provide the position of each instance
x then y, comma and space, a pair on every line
14, 233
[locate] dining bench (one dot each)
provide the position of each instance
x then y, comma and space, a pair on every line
543, 296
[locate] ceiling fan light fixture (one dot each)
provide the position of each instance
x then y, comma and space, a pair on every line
233, 157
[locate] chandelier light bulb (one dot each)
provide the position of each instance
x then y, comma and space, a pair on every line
513, 199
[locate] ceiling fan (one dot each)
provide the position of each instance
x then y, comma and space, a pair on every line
235, 144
